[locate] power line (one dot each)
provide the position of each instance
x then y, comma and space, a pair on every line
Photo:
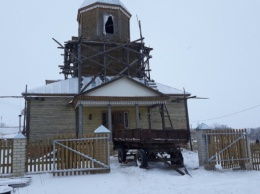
11, 96
229, 114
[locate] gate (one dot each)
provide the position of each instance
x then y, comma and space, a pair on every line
81, 156
228, 148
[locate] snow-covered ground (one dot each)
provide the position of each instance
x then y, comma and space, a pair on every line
127, 178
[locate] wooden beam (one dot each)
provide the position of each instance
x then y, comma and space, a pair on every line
109, 112
90, 82
137, 121
162, 115
149, 117
80, 121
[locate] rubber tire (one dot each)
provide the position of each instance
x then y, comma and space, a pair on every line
179, 158
141, 159
121, 153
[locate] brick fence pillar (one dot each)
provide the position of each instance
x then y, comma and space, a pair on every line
19, 155
202, 150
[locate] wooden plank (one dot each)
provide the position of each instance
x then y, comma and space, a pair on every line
79, 158
66, 156
42, 156
76, 144
1, 157
50, 158
255, 151
9, 155
59, 158
71, 157
4, 156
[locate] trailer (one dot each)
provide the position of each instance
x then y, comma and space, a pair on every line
150, 145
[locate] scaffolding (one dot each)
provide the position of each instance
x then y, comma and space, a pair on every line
83, 57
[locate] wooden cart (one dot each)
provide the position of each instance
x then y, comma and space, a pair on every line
151, 145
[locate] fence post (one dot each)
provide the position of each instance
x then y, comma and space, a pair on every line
103, 131
203, 150
19, 155
249, 163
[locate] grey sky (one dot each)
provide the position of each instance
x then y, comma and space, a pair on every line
209, 47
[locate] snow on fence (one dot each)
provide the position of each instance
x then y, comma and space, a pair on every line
6, 151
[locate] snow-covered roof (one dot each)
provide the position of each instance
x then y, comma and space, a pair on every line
67, 86
169, 90
70, 87
102, 129
113, 2
203, 126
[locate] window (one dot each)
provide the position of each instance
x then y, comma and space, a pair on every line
108, 24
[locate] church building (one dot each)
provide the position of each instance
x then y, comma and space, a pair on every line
106, 82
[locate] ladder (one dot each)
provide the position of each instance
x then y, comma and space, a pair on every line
163, 110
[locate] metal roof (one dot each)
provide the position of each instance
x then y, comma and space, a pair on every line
169, 90
70, 87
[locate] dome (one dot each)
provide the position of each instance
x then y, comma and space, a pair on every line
113, 2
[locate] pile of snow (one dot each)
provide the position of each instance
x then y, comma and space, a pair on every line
127, 178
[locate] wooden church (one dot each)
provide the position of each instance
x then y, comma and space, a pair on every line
106, 82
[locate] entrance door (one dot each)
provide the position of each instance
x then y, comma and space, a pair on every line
119, 119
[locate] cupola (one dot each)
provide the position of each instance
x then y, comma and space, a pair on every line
104, 20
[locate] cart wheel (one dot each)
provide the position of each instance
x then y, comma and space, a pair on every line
121, 155
178, 158
141, 159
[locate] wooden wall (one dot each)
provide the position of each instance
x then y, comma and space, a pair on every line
91, 24
177, 115
177, 112
51, 116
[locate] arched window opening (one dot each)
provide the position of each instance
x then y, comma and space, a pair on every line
109, 26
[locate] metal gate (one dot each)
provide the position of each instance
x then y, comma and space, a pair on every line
228, 147
81, 156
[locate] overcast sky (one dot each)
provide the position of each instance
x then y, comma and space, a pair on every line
209, 47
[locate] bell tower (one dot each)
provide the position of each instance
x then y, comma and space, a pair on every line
103, 47
104, 20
